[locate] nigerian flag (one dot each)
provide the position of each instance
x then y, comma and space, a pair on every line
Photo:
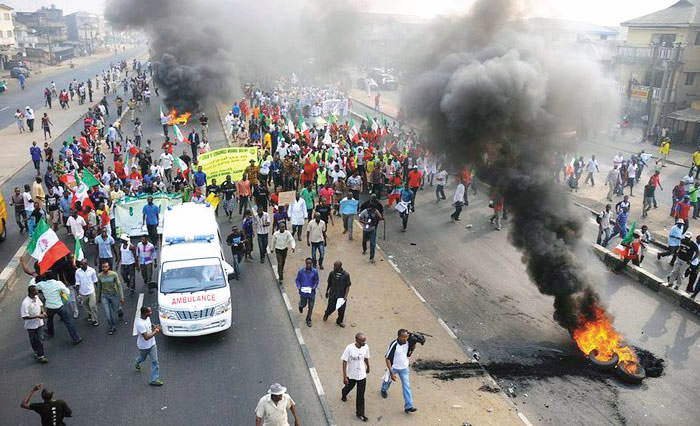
178, 134
630, 234
78, 251
45, 246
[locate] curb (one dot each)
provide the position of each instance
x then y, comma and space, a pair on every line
302, 345
229, 138
466, 349
648, 280
10, 275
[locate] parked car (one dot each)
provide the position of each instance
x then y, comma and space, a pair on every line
363, 82
384, 80
16, 71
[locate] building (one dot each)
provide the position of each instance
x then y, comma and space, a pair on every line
383, 39
48, 34
659, 70
87, 30
7, 35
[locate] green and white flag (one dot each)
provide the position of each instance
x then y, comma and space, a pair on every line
78, 251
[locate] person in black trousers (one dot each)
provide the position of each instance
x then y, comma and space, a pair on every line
355, 369
338, 288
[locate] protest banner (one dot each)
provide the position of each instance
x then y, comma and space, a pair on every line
227, 161
287, 198
128, 212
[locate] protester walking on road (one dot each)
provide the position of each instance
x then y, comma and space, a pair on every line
316, 238
17, 202
440, 181
337, 292
127, 262
348, 209
604, 226
111, 294
151, 218
146, 254
297, 215
369, 218
57, 298
29, 115
396, 358
612, 181
19, 117
46, 125
237, 240
591, 168
355, 359
272, 408
86, 280
674, 241
687, 251
648, 201
32, 312
459, 200
307, 282
262, 230
105, 248
282, 241
146, 344
35, 153
52, 411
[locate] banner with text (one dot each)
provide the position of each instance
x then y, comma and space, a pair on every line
128, 212
227, 161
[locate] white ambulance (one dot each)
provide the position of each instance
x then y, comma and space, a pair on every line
194, 297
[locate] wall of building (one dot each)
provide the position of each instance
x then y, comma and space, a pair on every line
7, 28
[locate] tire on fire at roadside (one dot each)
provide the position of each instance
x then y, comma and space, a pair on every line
627, 376
603, 365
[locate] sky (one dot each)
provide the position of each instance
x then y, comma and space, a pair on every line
602, 12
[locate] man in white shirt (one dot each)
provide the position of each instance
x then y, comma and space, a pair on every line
272, 408
261, 220
459, 201
282, 241
397, 364
297, 215
355, 369
85, 279
33, 315
441, 181
166, 162
76, 224
146, 344
316, 239
591, 167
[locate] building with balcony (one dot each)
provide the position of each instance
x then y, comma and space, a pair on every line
7, 34
658, 68
49, 35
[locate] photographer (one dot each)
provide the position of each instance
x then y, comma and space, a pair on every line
397, 364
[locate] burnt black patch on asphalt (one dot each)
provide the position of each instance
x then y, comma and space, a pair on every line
575, 365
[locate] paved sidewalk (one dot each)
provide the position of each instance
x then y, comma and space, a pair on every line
386, 103
15, 150
380, 302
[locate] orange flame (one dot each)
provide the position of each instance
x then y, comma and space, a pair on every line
598, 333
174, 118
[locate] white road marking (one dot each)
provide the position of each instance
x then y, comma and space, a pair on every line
138, 313
447, 328
524, 419
300, 338
394, 265
317, 381
286, 301
3, 109
417, 294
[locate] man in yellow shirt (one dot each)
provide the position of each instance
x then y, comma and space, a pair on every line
696, 163
664, 150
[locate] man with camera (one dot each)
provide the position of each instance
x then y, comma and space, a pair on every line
397, 364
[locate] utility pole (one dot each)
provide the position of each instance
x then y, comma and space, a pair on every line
650, 93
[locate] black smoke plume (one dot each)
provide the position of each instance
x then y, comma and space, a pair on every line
501, 99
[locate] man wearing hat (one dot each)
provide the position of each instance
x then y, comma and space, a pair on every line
272, 408
252, 172
687, 250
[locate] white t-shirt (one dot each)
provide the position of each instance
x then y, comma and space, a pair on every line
355, 358
166, 160
337, 175
400, 360
76, 226
144, 326
31, 307
86, 280
28, 203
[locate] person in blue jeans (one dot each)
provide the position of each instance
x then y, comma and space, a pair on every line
396, 358
57, 298
146, 344
110, 293
369, 218
150, 214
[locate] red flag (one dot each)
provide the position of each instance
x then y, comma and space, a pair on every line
68, 179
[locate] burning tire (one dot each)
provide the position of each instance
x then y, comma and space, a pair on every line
630, 372
603, 365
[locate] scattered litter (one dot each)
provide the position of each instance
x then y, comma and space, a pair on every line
525, 395
456, 406
466, 424
164, 407
546, 405
476, 355
511, 391
413, 244
488, 388
391, 257
470, 226
490, 410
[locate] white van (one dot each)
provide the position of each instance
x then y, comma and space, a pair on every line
194, 297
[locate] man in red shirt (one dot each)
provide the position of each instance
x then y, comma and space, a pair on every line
414, 177
682, 211
654, 180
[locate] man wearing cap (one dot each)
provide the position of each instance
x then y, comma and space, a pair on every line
674, 241
687, 250
272, 408
86, 279
252, 172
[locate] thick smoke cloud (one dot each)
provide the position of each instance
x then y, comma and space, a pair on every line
501, 99
205, 48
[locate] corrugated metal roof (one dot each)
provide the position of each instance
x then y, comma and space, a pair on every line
689, 114
683, 13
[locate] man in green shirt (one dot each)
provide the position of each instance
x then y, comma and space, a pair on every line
308, 195
693, 192
111, 294
57, 298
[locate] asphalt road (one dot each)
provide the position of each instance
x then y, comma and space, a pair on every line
215, 379
476, 282
33, 96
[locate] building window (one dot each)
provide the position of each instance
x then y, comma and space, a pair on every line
663, 40
7, 17
690, 79
9, 34
697, 38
